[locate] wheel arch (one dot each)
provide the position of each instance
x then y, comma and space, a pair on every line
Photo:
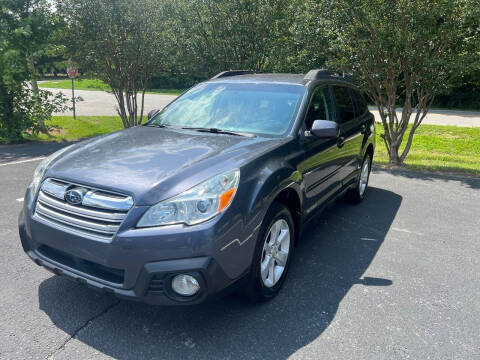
291, 199
370, 150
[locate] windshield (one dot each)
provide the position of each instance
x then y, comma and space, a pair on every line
243, 107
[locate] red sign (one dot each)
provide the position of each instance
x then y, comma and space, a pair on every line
72, 73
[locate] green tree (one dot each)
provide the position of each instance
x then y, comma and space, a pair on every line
38, 23
403, 52
302, 45
122, 42
22, 108
213, 36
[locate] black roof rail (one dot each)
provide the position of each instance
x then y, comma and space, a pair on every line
318, 74
232, 73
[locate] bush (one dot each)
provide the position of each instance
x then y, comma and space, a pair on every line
175, 81
463, 97
21, 111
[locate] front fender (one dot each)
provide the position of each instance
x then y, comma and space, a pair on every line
265, 183
271, 184
261, 181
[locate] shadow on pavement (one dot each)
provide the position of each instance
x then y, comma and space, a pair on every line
336, 249
9, 153
471, 181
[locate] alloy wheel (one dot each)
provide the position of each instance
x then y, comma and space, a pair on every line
275, 253
362, 184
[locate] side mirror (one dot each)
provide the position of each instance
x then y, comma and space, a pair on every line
324, 129
152, 114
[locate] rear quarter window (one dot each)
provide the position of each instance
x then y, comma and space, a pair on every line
344, 102
361, 103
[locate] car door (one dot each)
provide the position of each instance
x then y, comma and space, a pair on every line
364, 116
322, 157
350, 131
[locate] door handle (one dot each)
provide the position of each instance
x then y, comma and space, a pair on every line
340, 141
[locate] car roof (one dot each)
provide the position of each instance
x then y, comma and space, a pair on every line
264, 77
279, 78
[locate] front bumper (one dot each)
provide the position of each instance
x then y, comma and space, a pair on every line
139, 265
153, 285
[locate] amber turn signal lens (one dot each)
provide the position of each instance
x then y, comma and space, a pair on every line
225, 199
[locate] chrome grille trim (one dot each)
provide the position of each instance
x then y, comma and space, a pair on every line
80, 211
73, 230
98, 218
99, 200
70, 220
54, 188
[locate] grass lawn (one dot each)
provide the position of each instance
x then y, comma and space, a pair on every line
95, 84
438, 148
83, 127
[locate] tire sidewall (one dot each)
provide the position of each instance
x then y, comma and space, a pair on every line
365, 158
276, 212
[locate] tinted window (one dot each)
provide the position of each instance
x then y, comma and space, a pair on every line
362, 106
320, 107
345, 109
255, 108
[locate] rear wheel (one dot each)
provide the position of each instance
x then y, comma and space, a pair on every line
272, 254
357, 193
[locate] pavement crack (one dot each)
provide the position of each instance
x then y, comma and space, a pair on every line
80, 328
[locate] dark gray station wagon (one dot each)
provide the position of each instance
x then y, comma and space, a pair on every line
208, 196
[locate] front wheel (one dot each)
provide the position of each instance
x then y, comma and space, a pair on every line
272, 254
357, 193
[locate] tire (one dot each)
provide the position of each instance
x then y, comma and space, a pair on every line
258, 287
357, 193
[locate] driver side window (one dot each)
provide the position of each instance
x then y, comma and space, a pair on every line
320, 107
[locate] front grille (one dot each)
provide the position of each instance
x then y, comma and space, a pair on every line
156, 286
98, 216
96, 270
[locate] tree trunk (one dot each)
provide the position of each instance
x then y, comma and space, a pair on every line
33, 81
34, 85
142, 106
394, 159
118, 93
409, 144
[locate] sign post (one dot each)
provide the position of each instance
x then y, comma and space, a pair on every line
72, 74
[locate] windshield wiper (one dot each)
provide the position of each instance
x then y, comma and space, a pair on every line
219, 131
156, 125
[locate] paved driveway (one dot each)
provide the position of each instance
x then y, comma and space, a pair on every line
103, 103
396, 277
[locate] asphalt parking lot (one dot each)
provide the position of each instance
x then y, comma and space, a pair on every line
396, 277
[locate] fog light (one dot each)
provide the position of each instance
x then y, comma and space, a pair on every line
185, 285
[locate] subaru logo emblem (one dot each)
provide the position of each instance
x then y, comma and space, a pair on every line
74, 196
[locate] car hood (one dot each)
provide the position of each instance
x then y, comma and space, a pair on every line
154, 163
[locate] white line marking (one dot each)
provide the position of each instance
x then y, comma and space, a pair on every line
407, 231
24, 161
19, 199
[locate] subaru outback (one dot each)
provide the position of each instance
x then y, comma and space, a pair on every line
209, 195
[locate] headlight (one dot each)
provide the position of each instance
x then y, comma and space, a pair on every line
42, 168
196, 205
